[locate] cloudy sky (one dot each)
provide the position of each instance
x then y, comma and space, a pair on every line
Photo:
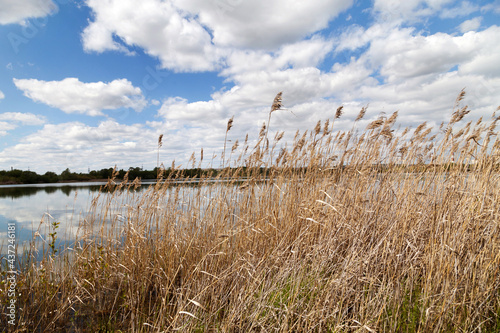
93, 83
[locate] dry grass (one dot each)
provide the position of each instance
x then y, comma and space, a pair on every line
341, 232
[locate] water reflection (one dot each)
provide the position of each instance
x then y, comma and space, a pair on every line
18, 191
34, 208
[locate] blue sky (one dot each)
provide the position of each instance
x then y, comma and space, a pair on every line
92, 84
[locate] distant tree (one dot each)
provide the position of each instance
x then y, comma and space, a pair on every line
15, 173
30, 177
134, 173
106, 173
121, 173
50, 177
66, 175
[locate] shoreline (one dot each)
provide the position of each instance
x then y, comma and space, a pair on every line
59, 182
118, 181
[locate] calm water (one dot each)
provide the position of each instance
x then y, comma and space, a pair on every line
33, 208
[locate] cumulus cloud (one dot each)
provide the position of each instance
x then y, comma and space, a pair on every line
73, 96
400, 69
15, 11
401, 53
257, 77
470, 25
261, 48
411, 11
486, 55
180, 42
11, 120
23, 118
76, 143
179, 109
493, 6
198, 35
396, 12
465, 8
79, 146
306, 53
5, 127
262, 24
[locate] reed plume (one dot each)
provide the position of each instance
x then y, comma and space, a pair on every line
339, 112
277, 105
228, 127
160, 143
361, 114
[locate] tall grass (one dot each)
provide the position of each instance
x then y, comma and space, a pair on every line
372, 230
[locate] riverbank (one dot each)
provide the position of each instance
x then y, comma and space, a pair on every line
15, 176
59, 182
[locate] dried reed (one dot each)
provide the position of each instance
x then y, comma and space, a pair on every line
371, 231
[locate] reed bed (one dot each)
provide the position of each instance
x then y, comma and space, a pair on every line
368, 230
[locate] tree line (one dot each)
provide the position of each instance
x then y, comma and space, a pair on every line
16, 176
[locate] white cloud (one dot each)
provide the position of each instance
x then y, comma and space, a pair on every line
470, 25
356, 36
258, 76
431, 98
486, 55
465, 8
180, 42
307, 53
259, 51
2, 96
180, 109
263, 24
73, 96
5, 127
198, 35
11, 120
396, 11
493, 6
79, 146
308, 93
77, 143
16, 11
402, 53
401, 69
23, 118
